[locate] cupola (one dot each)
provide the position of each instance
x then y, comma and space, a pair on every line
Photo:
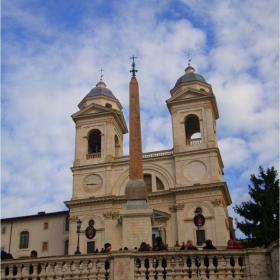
100, 95
190, 76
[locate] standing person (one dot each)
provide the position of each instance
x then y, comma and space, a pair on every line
183, 246
177, 244
33, 254
232, 245
6, 256
209, 245
144, 247
158, 245
107, 248
190, 246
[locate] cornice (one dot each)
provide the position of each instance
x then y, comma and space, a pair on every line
97, 200
171, 102
192, 83
117, 115
161, 194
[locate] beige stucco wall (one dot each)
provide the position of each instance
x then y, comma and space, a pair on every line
55, 235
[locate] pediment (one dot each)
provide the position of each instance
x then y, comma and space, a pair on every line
188, 94
92, 109
160, 214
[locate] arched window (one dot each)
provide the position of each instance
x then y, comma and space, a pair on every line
24, 240
148, 180
192, 130
94, 141
160, 186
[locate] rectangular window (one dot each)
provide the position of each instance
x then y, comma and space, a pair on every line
67, 224
90, 247
200, 236
66, 247
24, 240
45, 246
46, 225
3, 230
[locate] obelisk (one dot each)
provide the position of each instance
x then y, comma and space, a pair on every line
136, 214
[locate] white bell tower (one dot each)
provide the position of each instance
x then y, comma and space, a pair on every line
100, 126
194, 112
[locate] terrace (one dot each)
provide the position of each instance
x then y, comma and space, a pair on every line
257, 263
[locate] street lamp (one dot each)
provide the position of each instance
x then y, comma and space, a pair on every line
79, 222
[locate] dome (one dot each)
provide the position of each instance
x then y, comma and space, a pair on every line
101, 89
190, 76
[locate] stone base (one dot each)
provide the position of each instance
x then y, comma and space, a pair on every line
137, 227
136, 190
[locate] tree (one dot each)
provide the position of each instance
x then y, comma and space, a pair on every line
261, 213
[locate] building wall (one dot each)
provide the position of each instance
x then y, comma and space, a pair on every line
55, 235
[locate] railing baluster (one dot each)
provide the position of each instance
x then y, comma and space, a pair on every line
221, 264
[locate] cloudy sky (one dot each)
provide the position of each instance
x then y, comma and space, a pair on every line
52, 52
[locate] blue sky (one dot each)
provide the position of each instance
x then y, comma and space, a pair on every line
52, 52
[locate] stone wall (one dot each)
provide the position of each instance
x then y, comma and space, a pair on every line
261, 264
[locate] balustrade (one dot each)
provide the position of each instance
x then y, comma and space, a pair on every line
93, 155
148, 155
212, 264
96, 268
195, 141
189, 266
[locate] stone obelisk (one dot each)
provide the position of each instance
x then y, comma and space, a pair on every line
136, 214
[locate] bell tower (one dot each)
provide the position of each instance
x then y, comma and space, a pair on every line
194, 112
100, 126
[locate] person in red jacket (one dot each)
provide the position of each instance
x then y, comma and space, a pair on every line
231, 245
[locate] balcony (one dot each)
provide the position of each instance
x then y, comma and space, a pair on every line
93, 155
147, 155
261, 264
190, 142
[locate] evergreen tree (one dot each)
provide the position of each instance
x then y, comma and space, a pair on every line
261, 213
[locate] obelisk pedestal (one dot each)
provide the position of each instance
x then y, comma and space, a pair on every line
136, 215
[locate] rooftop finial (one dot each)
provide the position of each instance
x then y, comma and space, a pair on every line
189, 55
133, 71
101, 70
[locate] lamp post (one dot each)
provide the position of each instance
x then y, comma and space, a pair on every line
79, 222
197, 212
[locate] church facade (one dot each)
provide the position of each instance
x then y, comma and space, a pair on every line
185, 187
181, 182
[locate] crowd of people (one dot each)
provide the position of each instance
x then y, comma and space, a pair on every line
158, 246
9, 256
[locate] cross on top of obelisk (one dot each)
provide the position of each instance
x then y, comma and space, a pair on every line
133, 71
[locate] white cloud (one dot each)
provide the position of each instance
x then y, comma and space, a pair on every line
48, 68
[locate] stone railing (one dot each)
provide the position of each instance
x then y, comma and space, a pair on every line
133, 265
195, 141
148, 155
93, 155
